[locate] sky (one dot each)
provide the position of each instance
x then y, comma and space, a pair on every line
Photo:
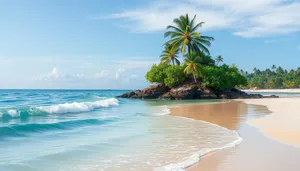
110, 44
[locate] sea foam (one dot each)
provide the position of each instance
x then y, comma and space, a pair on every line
195, 158
78, 107
13, 113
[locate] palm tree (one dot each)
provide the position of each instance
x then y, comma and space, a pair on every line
273, 67
234, 66
206, 59
193, 63
170, 55
298, 71
184, 33
279, 70
255, 70
219, 59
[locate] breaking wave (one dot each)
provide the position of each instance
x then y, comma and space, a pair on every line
75, 107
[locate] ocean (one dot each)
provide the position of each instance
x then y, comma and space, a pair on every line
82, 130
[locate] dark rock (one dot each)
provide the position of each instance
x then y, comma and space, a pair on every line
127, 95
205, 94
255, 96
272, 96
184, 92
235, 94
167, 96
224, 96
151, 92
189, 90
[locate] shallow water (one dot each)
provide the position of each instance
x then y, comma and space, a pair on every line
91, 130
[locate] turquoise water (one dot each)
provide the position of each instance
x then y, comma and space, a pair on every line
91, 130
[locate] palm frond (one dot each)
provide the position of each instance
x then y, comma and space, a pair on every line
203, 41
192, 22
203, 48
208, 38
179, 23
175, 28
197, 26
177, 61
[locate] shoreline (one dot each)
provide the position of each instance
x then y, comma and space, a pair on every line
190, 111
196, 158
296, 90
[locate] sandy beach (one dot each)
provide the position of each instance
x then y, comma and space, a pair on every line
269, 129
284, 122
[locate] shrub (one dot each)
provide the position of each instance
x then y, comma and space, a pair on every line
175, 76
170, 75
157, 73
221, 78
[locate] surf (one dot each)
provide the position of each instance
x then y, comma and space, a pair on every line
64, 108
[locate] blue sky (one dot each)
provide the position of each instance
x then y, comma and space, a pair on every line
112, 43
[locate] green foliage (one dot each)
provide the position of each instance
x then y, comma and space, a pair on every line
175, 76
170, 75
221, 78
276, 77
157, 73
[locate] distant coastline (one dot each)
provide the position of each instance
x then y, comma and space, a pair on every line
294, 90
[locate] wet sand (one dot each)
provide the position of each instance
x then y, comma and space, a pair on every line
257, 151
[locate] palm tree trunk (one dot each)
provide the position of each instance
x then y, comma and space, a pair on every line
189, 49
195, 77
173, 61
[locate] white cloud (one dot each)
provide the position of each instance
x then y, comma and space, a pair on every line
119, 72
256, 18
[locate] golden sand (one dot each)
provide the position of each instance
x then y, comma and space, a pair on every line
256, 152
284, 123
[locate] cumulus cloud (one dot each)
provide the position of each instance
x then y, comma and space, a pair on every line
256, 18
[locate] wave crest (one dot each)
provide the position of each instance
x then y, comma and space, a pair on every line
78, 107
75, 107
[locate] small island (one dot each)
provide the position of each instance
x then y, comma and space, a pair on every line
197, 75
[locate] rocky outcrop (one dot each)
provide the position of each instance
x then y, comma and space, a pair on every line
184, 92
152, 92
202, 93
189, 91
237, 94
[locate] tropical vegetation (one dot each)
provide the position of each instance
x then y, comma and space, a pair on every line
274, 77
194, 62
